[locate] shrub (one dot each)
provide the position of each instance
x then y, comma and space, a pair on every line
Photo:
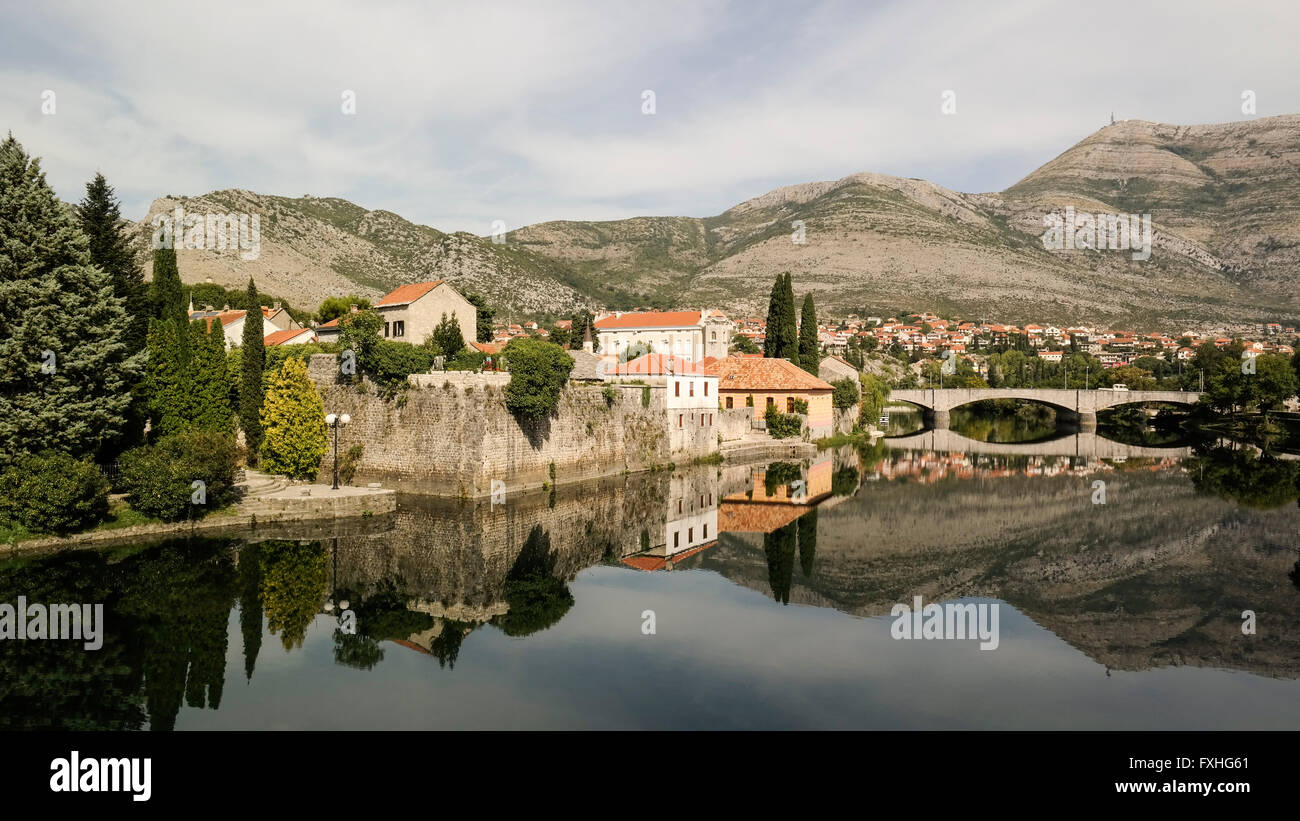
391, 362
467, 360
159, 478
782, 425
610, 394
645, 397
293, 423
538, 373
800, 406
52, 492
348, 463
846, 393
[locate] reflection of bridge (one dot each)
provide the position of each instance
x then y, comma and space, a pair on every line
1079, 444
1079, 405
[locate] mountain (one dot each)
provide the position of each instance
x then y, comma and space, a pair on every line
313, 247
1224, 202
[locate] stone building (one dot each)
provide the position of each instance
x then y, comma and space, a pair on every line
691, 335
412, 311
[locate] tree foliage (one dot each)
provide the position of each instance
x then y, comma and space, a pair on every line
293, 423
252, 361
67, 368
159, 478
52, 492
447, 336
538, 373
333, 307
781, 339
809, 346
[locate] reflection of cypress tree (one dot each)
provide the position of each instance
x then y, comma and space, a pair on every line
779, 546
537, 599
250, 605
181, 595
295, 580
807, 541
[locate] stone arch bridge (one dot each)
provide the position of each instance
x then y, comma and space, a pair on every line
1078, 405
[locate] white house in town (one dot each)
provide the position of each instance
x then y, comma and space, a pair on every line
691, 335
691, 397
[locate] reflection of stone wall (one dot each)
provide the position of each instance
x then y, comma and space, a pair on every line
451, 558
454, 440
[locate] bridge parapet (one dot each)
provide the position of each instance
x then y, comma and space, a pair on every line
942, 400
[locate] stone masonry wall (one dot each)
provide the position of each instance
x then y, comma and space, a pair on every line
451, 434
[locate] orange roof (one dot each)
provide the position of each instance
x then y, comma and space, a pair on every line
653, 563
649, 319
333, 323
487, 347
751, 373
757, 517
658, 364
408, 293
281, 337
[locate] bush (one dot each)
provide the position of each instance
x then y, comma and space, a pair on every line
391, 362
293, 423
53, 493
801, 406
846, 393
538, 372
467, 360
348, 463
610, 394
159, 478
782, 425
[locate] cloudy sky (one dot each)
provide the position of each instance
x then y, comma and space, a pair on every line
467, 113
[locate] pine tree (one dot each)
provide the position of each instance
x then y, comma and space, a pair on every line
809, 349
772, 337
782, 337
252, 363
100, 217
67, 371
168, 296
293, 423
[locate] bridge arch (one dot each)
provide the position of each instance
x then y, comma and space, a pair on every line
1078, 403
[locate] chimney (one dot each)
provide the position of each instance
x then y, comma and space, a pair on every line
276, 306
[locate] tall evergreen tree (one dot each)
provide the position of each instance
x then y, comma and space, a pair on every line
782, 337
164, 381
100, 217
790, 336
772, 344
168, 296
252, 362
207, 383
809, 349
67, 370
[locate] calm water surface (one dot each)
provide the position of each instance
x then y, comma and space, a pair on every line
770, 588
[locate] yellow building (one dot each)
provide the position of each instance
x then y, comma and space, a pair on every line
779, 383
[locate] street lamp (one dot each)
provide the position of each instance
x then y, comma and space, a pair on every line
335, 421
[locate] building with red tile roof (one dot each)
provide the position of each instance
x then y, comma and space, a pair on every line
779, 383
692, 335
412, 311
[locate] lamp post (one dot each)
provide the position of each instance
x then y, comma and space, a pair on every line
335, 421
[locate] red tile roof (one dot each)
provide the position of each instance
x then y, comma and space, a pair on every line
753, 373
408, 293
281, 337
658, 364
649, 319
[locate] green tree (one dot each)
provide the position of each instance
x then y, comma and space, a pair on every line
781, 338
293, 423
809, 348
359, 333
448, 337
333, 307
538, 373
167, 294
67, 369
846, 393
158, 478
52, 493
483, 316
252, 361
206, 384
165, 384
743, 344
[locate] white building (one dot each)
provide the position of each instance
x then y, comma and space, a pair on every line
691, 397
691, 335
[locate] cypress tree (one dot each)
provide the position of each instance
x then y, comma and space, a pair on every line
167, 294
67, 372
808, 347
790, 334
253, 362
206, 382
164, 382
772, 335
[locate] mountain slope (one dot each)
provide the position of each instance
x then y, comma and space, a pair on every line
314, 247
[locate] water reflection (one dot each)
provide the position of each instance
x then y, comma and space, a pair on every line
1155, 578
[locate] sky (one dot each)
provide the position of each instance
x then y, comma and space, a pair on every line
469, 113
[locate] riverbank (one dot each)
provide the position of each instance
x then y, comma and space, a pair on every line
266, 501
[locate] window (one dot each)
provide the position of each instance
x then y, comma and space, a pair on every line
706, 388
713, 335
679, 505
710, 420
679, 420
692, 387
729, 400
676, 536
771, 403
789, 404
701, 420
399, 328
677, 388
706, 531
690, 535
385, 329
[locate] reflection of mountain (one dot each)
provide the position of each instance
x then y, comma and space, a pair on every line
1157, 576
